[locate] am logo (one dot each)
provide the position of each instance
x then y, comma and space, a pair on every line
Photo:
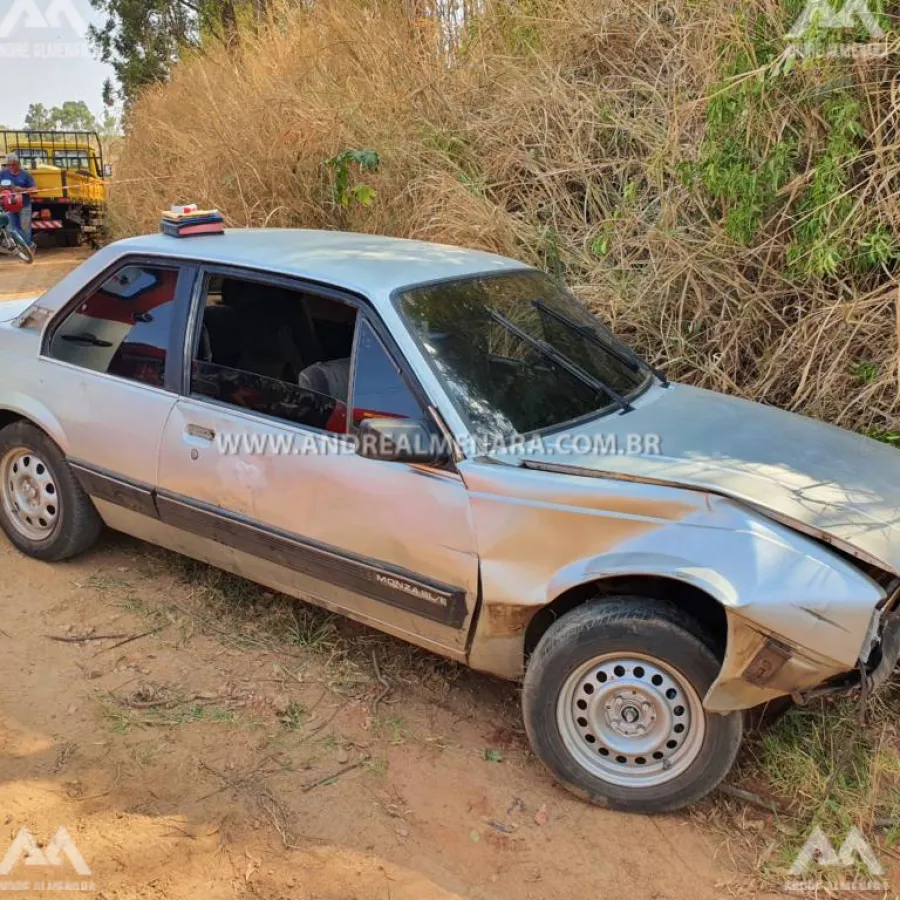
42, 14
25, 850
822, 14
818, 866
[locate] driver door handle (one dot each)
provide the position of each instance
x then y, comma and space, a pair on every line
203, 434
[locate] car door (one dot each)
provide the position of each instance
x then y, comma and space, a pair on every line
114, 359
258, 471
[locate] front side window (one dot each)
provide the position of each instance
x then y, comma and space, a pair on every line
122, 328
277, 351
518, 354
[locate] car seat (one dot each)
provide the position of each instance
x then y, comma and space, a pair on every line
330, 378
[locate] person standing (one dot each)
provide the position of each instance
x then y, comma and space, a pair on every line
21, 182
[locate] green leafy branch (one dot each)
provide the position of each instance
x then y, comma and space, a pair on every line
346, 193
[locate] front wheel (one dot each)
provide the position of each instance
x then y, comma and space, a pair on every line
20, 247
613, 706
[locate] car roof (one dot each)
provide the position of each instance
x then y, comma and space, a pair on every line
367, 264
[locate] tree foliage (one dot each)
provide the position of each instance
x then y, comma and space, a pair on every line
73, 115
142, 39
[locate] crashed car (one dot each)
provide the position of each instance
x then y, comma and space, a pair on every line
445, 445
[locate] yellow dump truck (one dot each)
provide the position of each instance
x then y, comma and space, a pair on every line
69, 171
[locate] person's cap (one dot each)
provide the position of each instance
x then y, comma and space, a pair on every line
12, 157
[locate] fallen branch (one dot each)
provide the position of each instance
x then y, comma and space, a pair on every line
750, 797
172, 703
85, 638
334, 777
330, 719
241, 782
133, 637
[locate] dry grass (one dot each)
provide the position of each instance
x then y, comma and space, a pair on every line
555, 135
824, 768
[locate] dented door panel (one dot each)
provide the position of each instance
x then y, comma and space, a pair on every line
393, 542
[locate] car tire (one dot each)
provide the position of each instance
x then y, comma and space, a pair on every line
612, 702
43, 509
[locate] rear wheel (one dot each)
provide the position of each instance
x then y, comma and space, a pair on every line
613, 705
43, 509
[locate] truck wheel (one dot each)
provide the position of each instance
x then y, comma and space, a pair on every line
43, 509
613, 706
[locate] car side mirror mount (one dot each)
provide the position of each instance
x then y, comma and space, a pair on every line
400, 440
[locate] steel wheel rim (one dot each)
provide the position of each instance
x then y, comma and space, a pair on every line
631, 720
29, 494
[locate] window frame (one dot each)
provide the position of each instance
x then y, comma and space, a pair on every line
184, 286
364, 311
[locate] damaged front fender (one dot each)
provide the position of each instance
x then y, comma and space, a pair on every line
758, 668
542, 536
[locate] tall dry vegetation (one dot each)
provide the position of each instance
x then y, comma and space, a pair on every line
729, 210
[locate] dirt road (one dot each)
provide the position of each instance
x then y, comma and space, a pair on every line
248, 746
17, 279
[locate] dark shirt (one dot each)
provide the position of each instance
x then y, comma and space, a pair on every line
22, 179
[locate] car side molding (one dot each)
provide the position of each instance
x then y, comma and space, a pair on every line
397, 587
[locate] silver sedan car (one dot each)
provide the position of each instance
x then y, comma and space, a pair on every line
444, 445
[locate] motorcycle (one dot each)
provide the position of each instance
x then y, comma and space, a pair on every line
11, 242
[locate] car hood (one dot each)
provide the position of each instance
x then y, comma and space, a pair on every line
836, 485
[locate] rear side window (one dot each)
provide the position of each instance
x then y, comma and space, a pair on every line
122, 328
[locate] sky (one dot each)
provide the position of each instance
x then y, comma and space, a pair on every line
45, 57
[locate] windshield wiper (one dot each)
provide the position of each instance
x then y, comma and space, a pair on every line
627, 356
560, 359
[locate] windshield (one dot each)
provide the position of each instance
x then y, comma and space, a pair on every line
519, 354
